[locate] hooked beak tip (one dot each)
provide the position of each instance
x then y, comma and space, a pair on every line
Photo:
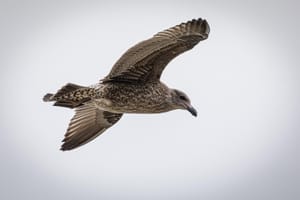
192, 110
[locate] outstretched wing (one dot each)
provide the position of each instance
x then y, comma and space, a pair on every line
87, 123
146, 60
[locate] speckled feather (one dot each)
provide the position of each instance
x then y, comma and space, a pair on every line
132, 86
132, 98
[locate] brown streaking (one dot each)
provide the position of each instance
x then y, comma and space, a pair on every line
132, 86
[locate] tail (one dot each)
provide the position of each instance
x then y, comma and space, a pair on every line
48, 97
70, 96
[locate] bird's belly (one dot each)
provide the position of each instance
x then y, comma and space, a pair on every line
140, 109
132, 107
151, 98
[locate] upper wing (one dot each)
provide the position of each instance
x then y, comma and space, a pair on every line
146, 60
87, 123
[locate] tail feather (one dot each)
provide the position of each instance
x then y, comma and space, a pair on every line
48, 97
64, 97
69, 87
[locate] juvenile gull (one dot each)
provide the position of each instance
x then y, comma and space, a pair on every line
132, 86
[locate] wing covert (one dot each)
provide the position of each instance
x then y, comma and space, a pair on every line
146, 60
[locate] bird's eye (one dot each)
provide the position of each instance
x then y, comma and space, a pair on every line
182, 98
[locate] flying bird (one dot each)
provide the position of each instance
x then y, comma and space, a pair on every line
132, 86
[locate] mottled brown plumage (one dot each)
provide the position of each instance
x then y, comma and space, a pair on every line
132, 86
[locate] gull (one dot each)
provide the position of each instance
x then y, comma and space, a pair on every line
132, 86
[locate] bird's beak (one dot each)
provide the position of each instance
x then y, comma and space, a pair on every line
192, 110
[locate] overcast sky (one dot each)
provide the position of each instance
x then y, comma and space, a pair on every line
243, 80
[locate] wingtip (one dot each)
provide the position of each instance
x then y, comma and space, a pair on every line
202, 25
205, 27
64, 147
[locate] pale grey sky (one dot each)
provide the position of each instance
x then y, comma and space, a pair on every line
243, 80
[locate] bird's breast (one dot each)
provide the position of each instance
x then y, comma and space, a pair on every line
133, 98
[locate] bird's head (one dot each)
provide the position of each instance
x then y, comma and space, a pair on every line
181, 101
